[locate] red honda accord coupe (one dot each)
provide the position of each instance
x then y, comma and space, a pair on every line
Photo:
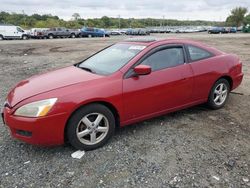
122, 84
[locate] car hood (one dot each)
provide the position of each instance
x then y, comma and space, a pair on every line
47, 82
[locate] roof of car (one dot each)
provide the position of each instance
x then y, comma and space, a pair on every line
147, 41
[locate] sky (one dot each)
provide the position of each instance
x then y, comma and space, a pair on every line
214, 10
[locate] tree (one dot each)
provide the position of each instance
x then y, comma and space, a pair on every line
237, 16
106, 21
246, 20
76, 16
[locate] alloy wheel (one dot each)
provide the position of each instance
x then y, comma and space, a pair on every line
92, 128
220, 94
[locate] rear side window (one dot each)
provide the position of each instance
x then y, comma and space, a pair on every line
165, 58
90, 29
197, 53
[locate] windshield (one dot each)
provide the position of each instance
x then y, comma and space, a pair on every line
111, 59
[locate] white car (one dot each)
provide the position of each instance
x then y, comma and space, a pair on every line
12, 32
38, 32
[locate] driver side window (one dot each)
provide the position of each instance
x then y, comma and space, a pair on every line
165, 58
19, 29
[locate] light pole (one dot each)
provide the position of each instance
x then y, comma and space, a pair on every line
24, 18
163, 24
119, 20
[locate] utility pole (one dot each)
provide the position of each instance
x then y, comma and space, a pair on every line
25, 25
24, 18
119, 19
163, 24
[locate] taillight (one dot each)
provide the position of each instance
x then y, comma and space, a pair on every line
238, 68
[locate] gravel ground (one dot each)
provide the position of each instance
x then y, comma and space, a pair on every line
196, 147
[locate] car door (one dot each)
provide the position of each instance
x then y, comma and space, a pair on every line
59, 32
203, 70
18, 33
65, 32
168, 86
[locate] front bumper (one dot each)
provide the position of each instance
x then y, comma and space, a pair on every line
44, 131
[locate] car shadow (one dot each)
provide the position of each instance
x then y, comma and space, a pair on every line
196, 110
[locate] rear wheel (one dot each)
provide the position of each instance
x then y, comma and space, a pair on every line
51, 36
1, 37
73, 36
219, 94
90, 127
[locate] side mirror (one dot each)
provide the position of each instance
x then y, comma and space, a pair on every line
142, 70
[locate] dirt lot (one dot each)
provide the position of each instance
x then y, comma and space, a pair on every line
196, 147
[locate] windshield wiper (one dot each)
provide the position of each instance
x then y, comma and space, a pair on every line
87, 69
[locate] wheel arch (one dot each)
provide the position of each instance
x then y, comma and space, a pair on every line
109, 105
228, 78
25, 35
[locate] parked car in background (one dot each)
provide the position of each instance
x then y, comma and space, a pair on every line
217, 30
13, 32
61, 32
93, 32
122, 84
232, 29
38, 33
246, 29
114, 32
138, 31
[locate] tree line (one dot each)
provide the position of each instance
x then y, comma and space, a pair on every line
237, 18
48, 20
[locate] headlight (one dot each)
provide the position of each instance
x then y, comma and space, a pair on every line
36, 109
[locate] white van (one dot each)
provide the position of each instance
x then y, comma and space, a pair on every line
12, 32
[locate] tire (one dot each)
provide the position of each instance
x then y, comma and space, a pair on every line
1, 37
51, 36
73, 36
83, 120
25, 37
219, 94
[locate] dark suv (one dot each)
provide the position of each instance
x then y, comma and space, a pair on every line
217, 30
93, 32
62, 32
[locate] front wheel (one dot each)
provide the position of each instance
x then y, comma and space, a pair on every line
90, 127
25, 37
219, 94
